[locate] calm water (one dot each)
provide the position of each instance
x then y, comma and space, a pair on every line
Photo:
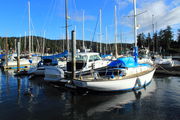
159, 101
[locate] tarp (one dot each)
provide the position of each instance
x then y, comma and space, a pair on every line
64, 54
53, 58
104, 56
124, 62
1, 56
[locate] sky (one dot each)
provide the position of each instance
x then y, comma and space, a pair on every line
47, 18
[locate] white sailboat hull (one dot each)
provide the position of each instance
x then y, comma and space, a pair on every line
117, 85
53, 73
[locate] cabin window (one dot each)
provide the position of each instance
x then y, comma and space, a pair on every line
81, 58
94, 58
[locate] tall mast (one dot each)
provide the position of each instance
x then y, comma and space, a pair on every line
153, 33
83, 31
106, 39
135, 24
115, 32
100, 29
135, 34
44, 43
29, 25
66, 22
25, 42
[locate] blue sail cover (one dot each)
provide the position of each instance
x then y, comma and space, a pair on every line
64, 54
124, 62
104, 56
1, 56
54, 57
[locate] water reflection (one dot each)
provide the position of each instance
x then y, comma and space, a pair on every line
102, 103
53, 101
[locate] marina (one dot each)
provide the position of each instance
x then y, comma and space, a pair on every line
123, 63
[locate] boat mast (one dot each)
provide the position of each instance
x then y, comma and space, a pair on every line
44, 40
100, 29
153, 34
135, 34
29, 25
106, 40
25, 42
66, 22
115, 32
83, 31
135, 22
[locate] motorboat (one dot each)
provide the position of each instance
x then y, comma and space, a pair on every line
46, 63
11, 63
164, 62
85, 62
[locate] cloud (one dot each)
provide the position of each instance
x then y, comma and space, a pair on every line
175, 2
80, 19
78, 16
122, 3
162, 13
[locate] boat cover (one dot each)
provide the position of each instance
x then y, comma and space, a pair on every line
124, 62
64, 54
104, 56
1, 56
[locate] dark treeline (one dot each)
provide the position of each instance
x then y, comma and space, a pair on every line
162, 42
57, 46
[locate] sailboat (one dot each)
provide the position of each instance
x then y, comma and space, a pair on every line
123, 74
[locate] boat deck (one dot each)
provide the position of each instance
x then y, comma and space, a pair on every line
117, 77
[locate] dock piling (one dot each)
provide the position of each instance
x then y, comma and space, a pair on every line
73, 35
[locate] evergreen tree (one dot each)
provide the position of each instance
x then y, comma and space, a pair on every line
178, 38
156, 42
149, 42
141, 42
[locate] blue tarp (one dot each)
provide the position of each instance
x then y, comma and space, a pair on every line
54, 57
64, 54
1, 56
124, 62
104, 56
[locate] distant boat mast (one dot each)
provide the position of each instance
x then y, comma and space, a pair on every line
83, 30
100, 30
29, 25
66, 22
115, 31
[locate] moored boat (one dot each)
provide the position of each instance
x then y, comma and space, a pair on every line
127, 76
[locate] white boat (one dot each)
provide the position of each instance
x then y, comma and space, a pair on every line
46, 63
85, 62
126, 73
144, 56
42, 65
53, 73
34, 60
12, 62
119, 79
164, 61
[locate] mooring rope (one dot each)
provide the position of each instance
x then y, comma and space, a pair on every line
164, 69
